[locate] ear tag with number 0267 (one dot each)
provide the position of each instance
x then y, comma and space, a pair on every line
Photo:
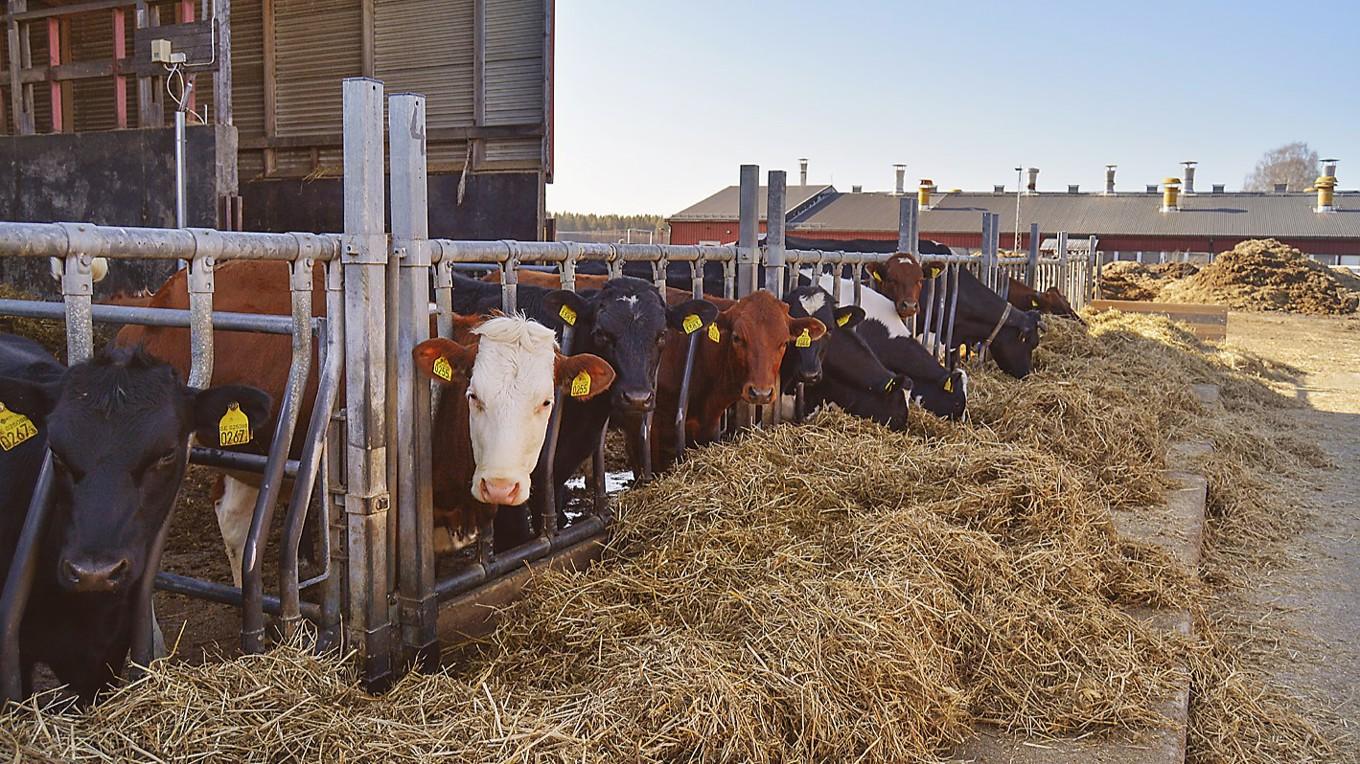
804, 340
568, 315
15, 428
233, 429
580, 385
692, 323
442, 369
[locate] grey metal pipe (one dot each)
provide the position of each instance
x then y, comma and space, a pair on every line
226, 594
19, 583
478, 573
62, 240
181, 179
170, 317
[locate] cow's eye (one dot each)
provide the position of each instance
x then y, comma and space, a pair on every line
474, 401
547, 403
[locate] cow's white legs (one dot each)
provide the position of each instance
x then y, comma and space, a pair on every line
234, 512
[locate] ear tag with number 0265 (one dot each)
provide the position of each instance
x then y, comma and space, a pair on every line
15, 428
233, 429
442, 369
580, 385
804, 340
713, 333
692, 323
568, 315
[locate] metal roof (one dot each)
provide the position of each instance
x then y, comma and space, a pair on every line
725, 204
1249, 215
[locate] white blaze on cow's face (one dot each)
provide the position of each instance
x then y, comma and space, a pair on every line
510, 397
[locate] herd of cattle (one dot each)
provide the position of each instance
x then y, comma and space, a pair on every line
119, 426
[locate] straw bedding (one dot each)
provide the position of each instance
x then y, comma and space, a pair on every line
821, 592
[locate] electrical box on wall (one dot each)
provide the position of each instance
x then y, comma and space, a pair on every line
163, 53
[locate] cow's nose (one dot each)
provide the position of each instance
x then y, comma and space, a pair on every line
89, 576
759, 395
810, 377
501, 491
638, 400
906, 308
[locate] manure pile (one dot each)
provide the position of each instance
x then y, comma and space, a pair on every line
1263, 274
1128, 280
829, 591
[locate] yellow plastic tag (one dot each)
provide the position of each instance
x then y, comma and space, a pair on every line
935, 272
892, 383
949, 385
843, 320
804, 340
580, 386
692, 323
713, 333
15, 428
875, 275
442, 369
233, 429
1034, 302
568, 315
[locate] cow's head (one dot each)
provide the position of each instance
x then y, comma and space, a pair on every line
899, 278
1053, 302
857, 381
1014, 345
805, 359
625, 323
118, 428
946, 397
757, 329
509, 373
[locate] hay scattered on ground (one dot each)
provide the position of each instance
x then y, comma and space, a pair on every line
1263, 274
822, 592
1128, 280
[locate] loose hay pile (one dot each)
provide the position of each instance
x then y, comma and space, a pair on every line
1263, 274
1128, 280
825, 592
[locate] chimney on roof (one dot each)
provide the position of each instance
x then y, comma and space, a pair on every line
1033, 186
901, 171
1171, 189
923, 193
1109, 179
1219, 188
802, 171
999, 189
1073, 188
1189, 176
1281, 188
1152, 188
1326, 187
856, 189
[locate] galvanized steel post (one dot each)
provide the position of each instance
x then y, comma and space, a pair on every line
1061, 280
908, 211
367, 501
1032, 262
748, 238
774, 228
415, 524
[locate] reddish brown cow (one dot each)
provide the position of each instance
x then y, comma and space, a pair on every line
738, 359
899, 278
1049, 301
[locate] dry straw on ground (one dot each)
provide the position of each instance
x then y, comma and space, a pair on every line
812, 593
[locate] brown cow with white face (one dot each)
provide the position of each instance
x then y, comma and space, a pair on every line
899, 278
738, 359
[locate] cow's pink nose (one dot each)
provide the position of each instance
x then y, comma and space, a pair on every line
501, 491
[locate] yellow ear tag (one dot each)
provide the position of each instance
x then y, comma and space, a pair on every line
442, 369
713, 333
804, 340
935, 272
949, 385
875, 275
580, 386
233, 429
843, 320
15, 428
568, 315
1034, 302
692, 323
892, 383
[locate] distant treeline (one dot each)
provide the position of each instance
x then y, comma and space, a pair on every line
589, 221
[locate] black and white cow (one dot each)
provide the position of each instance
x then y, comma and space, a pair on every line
118, 428
981, 316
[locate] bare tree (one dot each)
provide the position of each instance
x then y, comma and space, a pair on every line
1292, 163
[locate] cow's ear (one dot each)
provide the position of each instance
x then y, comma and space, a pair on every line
229, 415
814, 329
565, 308
444, 360
584, 374
876, 271
849, 316
691, 315
32, 399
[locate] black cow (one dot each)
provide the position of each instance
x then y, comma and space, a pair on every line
981, 314
625, 323
118, 428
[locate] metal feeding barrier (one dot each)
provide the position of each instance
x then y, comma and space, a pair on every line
369, 476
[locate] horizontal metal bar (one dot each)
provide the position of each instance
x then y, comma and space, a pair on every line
223, 593
236, 460
557, 251
476, 574
55, 240
122, 314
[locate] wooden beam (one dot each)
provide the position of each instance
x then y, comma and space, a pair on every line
22, 119
1209, 322
433, 135
70, 9
478, 75
184, 14
144, 105
54, 59
221, 19
68, 94
120, 89
367, 55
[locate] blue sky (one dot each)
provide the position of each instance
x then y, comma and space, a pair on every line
658, 103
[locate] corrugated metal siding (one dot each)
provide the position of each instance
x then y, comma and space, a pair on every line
425, 46
317, 43
513, 70
92, 40
247, 81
